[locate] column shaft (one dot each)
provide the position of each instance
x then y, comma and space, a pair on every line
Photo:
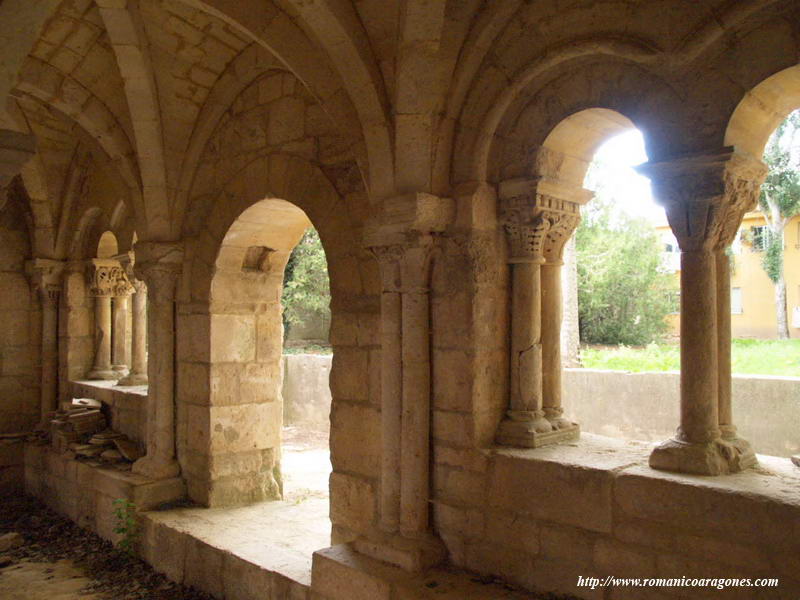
723, 289
49, 390
119, 335
551, 342
102, 328
138, 372
158, 264
391, 408
415, 435
526, 333
699, 350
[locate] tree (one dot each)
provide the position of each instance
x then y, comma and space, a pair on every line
779, 202
623, 295
306, 288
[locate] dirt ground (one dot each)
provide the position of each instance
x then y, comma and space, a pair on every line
60, 561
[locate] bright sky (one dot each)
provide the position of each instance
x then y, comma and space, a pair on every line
618, 155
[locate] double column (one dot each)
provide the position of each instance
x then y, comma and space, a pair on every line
538, 217
138, 343
46, 277
138, 371
106, 280
405, 250
705, 198
158, 265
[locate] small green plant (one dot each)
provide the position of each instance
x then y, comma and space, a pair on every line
127, 525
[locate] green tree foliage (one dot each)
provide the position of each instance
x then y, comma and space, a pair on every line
623, 295
779, 202
306, 289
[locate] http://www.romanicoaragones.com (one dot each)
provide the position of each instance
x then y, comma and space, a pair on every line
675, 582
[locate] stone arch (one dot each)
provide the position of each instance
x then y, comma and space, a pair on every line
505, 142
107, 246
761, 110
229, 327
89, 227
570, 146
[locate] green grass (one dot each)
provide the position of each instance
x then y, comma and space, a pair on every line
754, 357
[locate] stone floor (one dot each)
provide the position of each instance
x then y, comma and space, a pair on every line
279, 536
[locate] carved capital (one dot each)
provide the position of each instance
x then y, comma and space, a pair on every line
705, 196
538, 222
389, 258
158, 265
106, 277
46, 277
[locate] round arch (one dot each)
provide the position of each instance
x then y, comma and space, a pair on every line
761, 110
570, 146
107, 246
230, 322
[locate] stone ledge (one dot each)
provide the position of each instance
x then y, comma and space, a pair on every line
86, 494
340, 573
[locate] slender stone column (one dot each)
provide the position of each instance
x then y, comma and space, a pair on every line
537, 225
102, 275
138, 373
551, 345
119, 336
723, 293
564, 216
119, 333
45, 275
391, 385
158, 264
403, 242
705, 197
416, 401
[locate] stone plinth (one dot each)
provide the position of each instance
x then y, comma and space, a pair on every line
86, 494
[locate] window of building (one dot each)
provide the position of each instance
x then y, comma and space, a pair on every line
760, 237
736, 301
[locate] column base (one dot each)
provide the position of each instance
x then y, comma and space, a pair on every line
104, 374
524, 434
719, 457
133, 379
120, 370
413, 555
153, 468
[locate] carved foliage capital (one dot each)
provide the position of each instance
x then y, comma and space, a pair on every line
538, 226
107, 278
705, 197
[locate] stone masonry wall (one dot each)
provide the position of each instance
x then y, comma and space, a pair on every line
20, 336
543, 518
76, 329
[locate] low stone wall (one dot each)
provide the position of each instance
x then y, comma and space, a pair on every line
306, 390
86, 494
543, 518
645, 406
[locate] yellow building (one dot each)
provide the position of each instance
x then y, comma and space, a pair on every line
752, 292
